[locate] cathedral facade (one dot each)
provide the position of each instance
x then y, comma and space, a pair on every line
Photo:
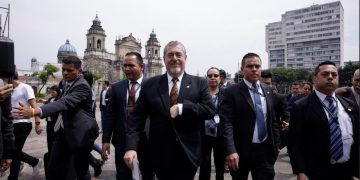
108, 66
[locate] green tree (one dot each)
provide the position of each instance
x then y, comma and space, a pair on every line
45, 74
346, 73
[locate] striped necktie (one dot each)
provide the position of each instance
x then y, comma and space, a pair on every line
336, 144
174, 94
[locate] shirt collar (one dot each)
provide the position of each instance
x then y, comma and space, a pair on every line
322, 96
249, 84
139, 81
170, 77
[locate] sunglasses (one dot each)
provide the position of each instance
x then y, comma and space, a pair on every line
213, 75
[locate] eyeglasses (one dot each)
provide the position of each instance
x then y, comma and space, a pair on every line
213, 75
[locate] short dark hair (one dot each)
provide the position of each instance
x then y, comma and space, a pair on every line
308, 83
317, 69
16, 76
138, 56
89, 77
266, 74
295, 84
213, 68
222, 73
55, 88
72, 60
248, 55
107, 83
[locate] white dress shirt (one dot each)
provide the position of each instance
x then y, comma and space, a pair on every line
345, 126
264, 109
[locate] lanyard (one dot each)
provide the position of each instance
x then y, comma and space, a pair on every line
335, 115
216, 102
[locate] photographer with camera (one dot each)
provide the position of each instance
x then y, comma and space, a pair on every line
211, 138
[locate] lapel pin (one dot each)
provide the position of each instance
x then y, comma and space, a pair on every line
268, 92
349, 109
188, 86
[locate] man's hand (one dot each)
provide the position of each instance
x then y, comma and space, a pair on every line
22, 112
5, 164
302, 176
5, 92
284, 126
233, 161
129, 158
38, 129
174, 111
105, 151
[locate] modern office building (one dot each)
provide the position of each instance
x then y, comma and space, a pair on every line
305, 37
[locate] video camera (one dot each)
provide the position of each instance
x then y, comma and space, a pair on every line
7, 65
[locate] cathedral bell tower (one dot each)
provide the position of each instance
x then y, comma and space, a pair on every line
96, 37
153, 57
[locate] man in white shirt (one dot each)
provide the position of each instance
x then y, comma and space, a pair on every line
23, 94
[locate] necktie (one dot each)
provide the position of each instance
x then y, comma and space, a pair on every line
260, 121
336, 144
174, 94
131, 99
59, 123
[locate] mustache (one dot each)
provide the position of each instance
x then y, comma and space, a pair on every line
175, 62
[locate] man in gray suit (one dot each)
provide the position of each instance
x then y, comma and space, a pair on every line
76, 128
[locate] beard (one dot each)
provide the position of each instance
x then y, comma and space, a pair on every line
175, 70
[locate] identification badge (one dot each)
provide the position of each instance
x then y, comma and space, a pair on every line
217, 119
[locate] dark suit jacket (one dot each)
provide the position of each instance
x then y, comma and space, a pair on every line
7, 139
80, 126
186, 128
309, 134
346, 92
280, 106
114, 129
238, 118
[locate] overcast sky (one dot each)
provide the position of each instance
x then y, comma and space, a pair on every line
215, 32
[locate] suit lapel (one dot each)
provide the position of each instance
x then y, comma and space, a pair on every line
268, 98
184, 88
318, 109
163, 90
123, 92
348, 108
245, 92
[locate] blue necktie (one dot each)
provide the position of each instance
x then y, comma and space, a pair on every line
336, 144
260, 121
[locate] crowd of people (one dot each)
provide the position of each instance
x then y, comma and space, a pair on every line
169, 126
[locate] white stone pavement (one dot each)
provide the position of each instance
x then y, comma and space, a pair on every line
36, 146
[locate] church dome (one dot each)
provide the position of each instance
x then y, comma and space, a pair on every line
152, 40
96, 20
67, 49
33, 59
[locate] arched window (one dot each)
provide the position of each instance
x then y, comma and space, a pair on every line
98, 44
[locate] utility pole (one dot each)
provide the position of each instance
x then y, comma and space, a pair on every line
7, 22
